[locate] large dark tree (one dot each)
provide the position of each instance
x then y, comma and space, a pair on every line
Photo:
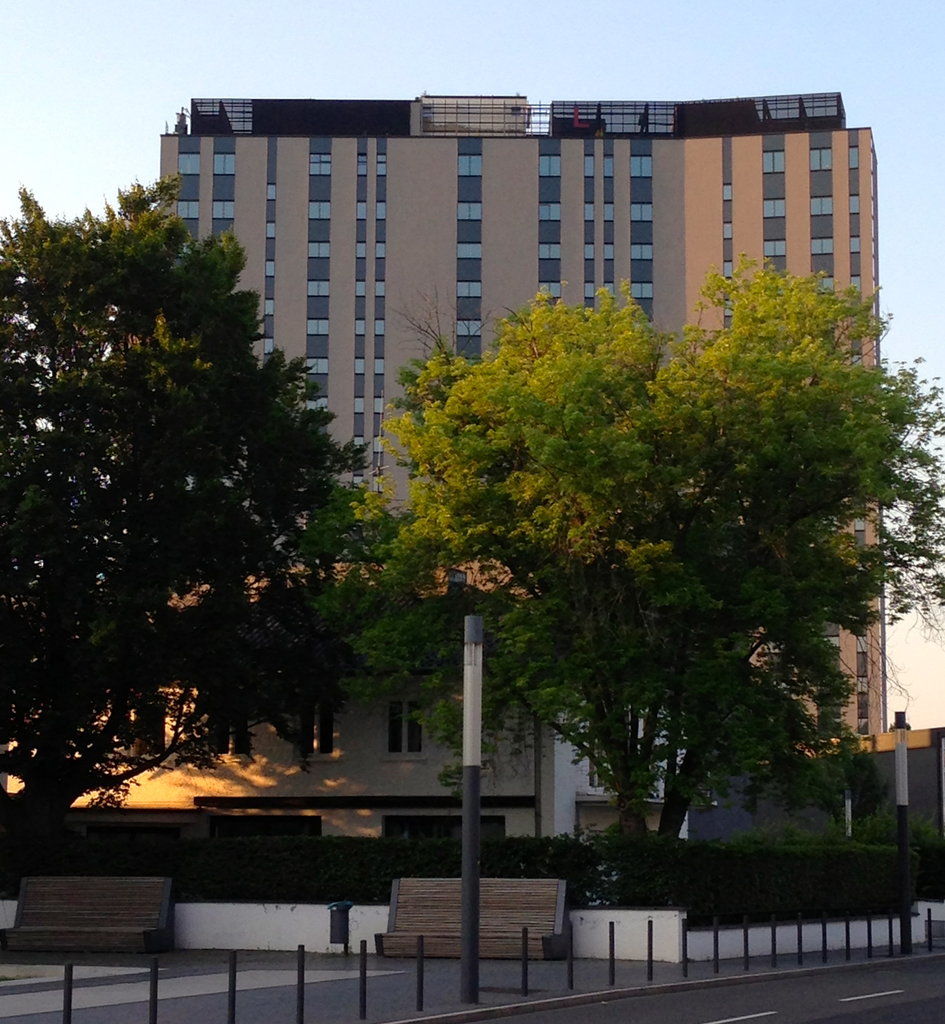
155, 479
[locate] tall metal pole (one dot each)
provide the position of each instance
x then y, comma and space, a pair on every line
472, 766
902, 834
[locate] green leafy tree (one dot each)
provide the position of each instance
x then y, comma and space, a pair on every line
657, 528
155, 479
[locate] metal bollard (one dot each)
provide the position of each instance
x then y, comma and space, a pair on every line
153, 992
846, 936
823, 936
746, 959
362, 981
300, 985
570, 957
892, 951
524, 961
869, 936
67, 994
774, 941
419, 973
685, 948
649, 949
231, 989
612, 952
800, 940
928, 928
715, 944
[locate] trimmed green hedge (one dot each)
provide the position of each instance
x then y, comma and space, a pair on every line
707, 878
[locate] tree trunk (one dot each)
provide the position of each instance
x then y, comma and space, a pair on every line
632, 822
36, 813
673, 815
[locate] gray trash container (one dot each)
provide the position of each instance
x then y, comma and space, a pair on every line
339, 925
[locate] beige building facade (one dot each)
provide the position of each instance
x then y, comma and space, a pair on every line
371, 227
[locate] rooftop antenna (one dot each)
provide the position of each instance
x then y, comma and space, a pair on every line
181, 127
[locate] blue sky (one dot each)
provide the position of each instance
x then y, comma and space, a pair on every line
89, 86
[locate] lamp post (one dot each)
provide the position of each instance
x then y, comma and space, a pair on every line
472, 766
902, 834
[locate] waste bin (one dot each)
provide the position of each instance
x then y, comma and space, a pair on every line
339, 927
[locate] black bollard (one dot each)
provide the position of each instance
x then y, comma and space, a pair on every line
300, 985
570, 957
685, 948
846, 936
746, 960
524, 961
774, 941
800, 940
892, 951
649, 949
715, 944
231, 989
419, 973
362, 981
612, 953
823, 936
869, 936
67, 994
153, 992
928, 927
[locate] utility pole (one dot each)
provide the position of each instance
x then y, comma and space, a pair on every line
472, 767
902, 833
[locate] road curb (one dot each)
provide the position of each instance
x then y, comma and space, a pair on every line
609, 995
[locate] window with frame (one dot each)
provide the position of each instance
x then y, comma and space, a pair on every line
641, 251
772, 161
641, 211
319, 210
318, 326
469, 211
854, 204
188, 209
549, 166
469, 250
820, 206
468, 289
821, 246
550, 287
549, 251
641, 166
223, 209
317, 364
317, 287
319, 163
775, 247
854, 158
549, 211
224, 163
854, 243
821, 159
188, 163
319, 250
773, 208
641, 289
469, 165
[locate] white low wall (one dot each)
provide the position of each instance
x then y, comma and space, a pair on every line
592, 933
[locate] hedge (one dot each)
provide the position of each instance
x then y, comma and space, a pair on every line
707, 878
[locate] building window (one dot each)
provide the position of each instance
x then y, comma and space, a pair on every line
468, 328
641, 251
270, 268
641, 167
772, 161
469, 211
378, 326
269, 307
316, 326
362, 163
469, 251
854, 204
608, 211
548, 166
726, 192
188, 163
319, 163
270, 191
468, 289
381, 165
359, 369
378, 366
380, 250
549, 211
773, 208
641, 211
189, 210
588, 165
775, 247
589, 290
380, 210
270, 229
854, 243
550, 287
727, 268
727, 229
317, 288
549, 251
641, 289
380, 289
319, 250
319, 211
854, 157
223, 209
820, 246
403, 730
821, 206
269, 346
224, 163
317, 364
359, 327
855, 281
468, 165
821, 159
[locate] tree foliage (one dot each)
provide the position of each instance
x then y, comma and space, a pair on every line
154, 482
657, 528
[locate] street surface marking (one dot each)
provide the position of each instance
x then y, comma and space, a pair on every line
873, 995
22, 1004
748, 1016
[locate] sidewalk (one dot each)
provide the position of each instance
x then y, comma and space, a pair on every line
193, 986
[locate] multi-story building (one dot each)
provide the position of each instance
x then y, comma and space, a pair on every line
372, 226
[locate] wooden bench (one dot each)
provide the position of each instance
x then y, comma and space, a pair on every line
79, 914
431, 907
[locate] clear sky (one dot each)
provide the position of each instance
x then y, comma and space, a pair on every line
87, 88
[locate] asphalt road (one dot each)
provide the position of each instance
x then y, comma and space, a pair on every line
901, 992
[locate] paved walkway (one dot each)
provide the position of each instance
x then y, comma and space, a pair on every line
193, 986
